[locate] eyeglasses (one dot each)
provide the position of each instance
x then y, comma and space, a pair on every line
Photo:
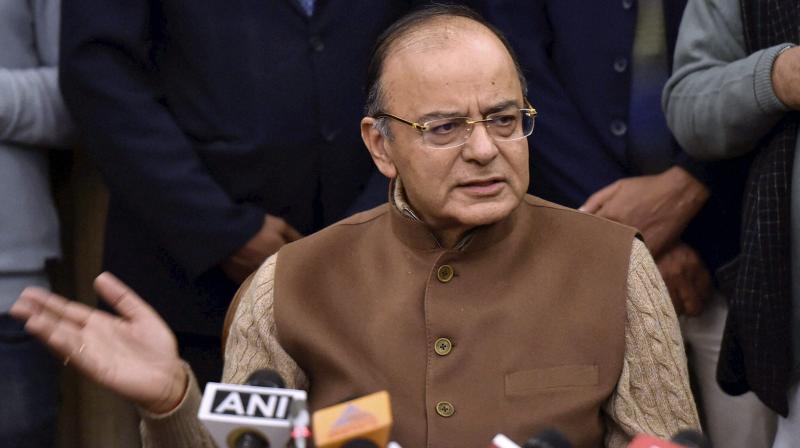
452, 132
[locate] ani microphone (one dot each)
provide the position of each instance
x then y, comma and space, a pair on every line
259, 414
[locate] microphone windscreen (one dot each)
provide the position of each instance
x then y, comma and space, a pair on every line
360, 443
266, 378
549, 438
691, 439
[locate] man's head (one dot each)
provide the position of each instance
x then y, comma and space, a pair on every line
445, 62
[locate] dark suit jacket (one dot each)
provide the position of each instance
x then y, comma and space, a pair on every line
570, 51
204, 116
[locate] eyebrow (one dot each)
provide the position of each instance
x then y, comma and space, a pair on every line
436, 115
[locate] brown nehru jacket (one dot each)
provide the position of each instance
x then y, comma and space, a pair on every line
521, 329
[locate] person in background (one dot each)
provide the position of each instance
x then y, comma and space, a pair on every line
735, 92
33, 119
223, 130
603, 146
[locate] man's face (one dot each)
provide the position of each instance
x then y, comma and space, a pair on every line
458, 69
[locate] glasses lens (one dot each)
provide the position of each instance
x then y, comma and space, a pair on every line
511, 125
445, 132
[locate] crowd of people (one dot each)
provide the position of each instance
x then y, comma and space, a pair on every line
370, 190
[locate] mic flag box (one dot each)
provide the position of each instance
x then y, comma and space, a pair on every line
368, 417
228, 410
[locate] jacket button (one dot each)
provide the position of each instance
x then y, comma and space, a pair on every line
443, 346
620, 65
445, 273
627, 4
445, 408
619, 128
316, 43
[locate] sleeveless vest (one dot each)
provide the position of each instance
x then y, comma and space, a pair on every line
521, 329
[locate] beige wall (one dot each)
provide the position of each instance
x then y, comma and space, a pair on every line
89, 416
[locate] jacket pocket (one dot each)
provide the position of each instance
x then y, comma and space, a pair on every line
529, 381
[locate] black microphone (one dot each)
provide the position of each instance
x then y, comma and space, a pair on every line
548, 438
691, 439
360, 443
259, 378
266, 378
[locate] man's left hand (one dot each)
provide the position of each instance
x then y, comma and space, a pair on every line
660, 206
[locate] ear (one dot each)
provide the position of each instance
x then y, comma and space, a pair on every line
376, 144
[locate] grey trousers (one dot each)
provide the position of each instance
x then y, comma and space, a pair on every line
728, 421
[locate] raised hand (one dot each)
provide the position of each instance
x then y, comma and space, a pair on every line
134, 354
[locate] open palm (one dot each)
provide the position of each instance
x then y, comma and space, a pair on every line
134, 354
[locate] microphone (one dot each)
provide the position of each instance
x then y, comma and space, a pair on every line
363, 421
258, 414
690, 438
548, 438
501, 441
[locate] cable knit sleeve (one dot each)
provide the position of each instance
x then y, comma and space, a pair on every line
252, 344
653, 394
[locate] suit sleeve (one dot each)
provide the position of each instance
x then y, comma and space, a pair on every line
150, 166
563, 140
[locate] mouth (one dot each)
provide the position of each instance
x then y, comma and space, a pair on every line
483, 187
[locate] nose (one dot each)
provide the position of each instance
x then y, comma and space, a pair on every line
480, 146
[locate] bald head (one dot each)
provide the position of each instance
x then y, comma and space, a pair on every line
428, 29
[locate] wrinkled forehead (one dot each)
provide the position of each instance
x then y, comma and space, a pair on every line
451, 55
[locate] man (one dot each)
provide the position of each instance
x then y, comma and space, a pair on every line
223, 130
33, 119
459, 296
735, 92
604, 146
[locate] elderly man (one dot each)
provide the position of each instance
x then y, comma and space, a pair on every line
480, 309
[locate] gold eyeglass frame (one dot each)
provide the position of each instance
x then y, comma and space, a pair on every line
422, 127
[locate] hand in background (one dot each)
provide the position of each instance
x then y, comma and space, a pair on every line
273, 234
688, 281
660, 206
786, 77
134, 354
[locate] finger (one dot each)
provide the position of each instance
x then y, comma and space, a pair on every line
59, 306
291, 234
596, 201
50, 329
122, 298
286, 231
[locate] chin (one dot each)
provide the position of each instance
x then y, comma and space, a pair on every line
486, 214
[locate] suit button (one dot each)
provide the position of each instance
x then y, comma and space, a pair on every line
443, 346
619, 128
445, 273
627, 4
445, 408
316, 43
620, 65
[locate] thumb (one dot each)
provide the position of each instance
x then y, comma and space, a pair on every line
596, 201
122, 298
